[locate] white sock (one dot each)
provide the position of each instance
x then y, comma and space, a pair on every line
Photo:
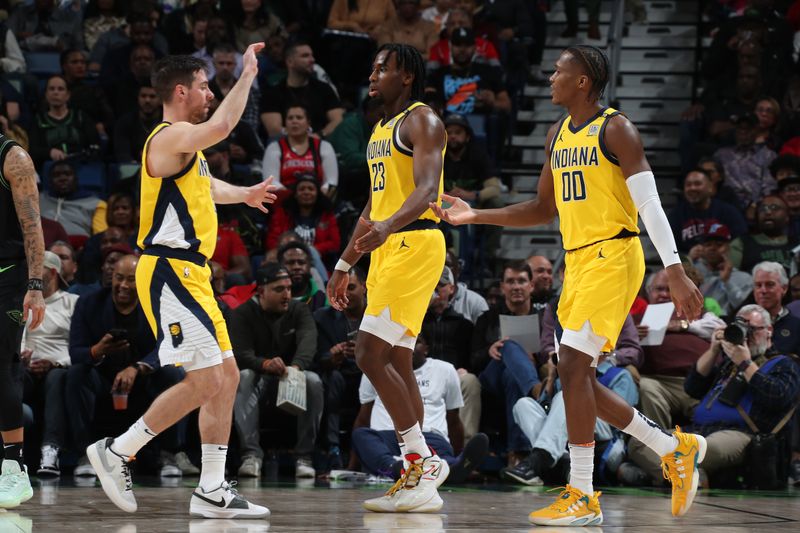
651, 434
414, 441
133, 440
212, 472
581, 467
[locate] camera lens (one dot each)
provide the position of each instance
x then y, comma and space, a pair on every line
734, 333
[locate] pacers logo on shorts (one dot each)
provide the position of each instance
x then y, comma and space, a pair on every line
177, 334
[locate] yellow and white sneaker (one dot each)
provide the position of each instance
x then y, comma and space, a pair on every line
571, 508
680, 468
415, 491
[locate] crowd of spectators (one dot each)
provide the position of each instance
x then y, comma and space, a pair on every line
92, 367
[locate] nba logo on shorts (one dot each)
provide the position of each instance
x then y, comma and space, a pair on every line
593, 130
177, 334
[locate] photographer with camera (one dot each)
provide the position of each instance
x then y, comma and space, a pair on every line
115, 373
741, 372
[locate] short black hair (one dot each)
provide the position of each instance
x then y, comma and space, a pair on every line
294, 45
359, 273
410, 61
293, 245
62, 59
170, 71
518, 265
595, 64
700, 170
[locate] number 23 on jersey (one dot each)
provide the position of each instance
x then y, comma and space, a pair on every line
378, 171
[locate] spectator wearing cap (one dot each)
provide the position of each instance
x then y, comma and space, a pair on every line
113, 350
408, 27
335, 361
769, 241
439, 54
269, 333
469, 175
449, 335
770, 285
132, 128
295, 257
747, 164
63, 202
725, 283
69, 265
309, 213
466, 86
299, 153
349, 140
698, 209
45, 355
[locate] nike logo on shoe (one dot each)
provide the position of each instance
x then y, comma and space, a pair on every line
220, 503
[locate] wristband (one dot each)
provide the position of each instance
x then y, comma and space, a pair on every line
35, 284
745, 364
343, 265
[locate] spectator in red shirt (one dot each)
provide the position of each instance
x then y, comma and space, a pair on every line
439, 54
232, 256
310, 215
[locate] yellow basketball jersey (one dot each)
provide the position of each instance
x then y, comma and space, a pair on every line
391, 168
591, 195
178, 211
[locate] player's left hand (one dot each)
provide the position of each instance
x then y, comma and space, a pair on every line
33, 307
686, 296
377, 235
261, 193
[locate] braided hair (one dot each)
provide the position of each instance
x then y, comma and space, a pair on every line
410, 61
595, 63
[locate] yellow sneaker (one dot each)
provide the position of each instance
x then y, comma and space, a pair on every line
571, 508
680, 468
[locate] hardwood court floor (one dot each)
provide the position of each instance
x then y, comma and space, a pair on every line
63, 507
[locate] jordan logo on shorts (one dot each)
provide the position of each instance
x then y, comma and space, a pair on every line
600, 254
403, 244
177, 334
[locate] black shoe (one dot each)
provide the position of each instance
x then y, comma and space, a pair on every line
794, 472
471, 457
524, 473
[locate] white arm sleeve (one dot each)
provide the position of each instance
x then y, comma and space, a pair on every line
642, 187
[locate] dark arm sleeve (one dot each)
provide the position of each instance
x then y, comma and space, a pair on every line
306, 332
80, 334
241, 332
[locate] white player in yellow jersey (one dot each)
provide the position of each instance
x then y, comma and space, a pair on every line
178, 233
597, 180
405, 155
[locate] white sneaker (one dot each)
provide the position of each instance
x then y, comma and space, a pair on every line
186, 465
15, 486
415, 491
114, 474
251, 467
224, 502
48, 466
304, 469
84, 468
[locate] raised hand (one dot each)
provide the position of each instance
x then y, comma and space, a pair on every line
249, 59
261, 193
458, 213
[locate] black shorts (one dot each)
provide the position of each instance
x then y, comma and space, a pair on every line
13, 282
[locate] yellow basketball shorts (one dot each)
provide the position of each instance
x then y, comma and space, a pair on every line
403, 274
600, 283
179, 304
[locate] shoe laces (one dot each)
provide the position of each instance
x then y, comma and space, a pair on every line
567, 498
126, 472
408, 480
673, 467
228, 486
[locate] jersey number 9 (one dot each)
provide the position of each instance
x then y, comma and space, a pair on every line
378, 170
572, 186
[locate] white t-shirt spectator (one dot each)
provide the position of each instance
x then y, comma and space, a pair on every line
50, 340
440, 389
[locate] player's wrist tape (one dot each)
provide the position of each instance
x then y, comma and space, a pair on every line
343, 265
644, 193
35, 284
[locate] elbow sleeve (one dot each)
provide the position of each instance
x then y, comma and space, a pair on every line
642, 187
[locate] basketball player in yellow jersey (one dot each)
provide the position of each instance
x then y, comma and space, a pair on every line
405, 156
597, 180
178, 232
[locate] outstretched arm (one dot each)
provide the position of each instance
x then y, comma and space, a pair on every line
255, 196
19, 172
623, 140
540, 210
